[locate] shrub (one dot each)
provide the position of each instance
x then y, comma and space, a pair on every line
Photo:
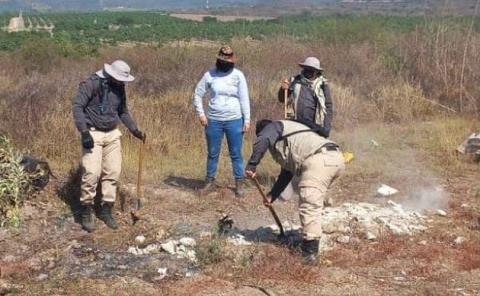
15, 183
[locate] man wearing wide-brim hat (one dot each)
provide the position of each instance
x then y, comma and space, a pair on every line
99, 106
309, 99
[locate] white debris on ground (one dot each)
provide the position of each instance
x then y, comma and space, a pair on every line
238, 240
459, 240
386, 190
470, 145
140, 239
441, 213
162, 273
182, 248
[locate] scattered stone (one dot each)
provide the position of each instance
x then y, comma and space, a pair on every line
465, 206
374, 143
122, 267
188, 242
423, 242
140, 240
205, 234
162, 274
42, 277
386, 190
371, 236
169, 247
399, 278
441, 213
238, 240
459, 240
344, 239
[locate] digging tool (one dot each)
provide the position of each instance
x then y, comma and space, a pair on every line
265, 199
285, 103
137, 201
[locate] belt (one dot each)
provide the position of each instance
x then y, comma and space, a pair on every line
328, 147
100, 129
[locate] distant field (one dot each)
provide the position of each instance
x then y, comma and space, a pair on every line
221, 18
86, 32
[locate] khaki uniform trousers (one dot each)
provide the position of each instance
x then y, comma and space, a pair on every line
317, 174
101, 163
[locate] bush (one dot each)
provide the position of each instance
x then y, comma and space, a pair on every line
15, 183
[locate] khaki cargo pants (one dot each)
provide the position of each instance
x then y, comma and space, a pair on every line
102, 163
317, 174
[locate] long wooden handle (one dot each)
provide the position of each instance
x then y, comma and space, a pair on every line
140, 171
285, 103
272, 211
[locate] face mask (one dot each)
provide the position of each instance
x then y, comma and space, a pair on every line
224, 66
309, 73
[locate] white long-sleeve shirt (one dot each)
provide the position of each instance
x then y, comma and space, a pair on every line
227, 95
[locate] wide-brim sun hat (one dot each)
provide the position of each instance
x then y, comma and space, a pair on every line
118, 70
311, 62
226, 54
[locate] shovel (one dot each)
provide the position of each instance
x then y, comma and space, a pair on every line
272, 211
136, 203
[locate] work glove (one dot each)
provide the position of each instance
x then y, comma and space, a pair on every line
252, 169
139, 135
87, 140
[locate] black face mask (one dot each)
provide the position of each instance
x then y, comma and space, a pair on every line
310, 73
224, 66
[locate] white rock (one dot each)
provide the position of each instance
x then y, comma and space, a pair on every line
140, 239
162, 273
238, 240
441, 213
374, 143
459, 240
399, 278
169, 247
344, 239
151, 249
464, 206
371, 236
134, 251
188, 242
423, 242
42, 277
386, 190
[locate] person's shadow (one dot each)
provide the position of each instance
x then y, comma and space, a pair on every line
69, 192
184, 183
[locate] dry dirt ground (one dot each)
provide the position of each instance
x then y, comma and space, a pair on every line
49, 254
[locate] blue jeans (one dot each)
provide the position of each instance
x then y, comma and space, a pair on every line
214, 132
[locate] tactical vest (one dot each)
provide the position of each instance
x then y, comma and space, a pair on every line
298, 142
319, 94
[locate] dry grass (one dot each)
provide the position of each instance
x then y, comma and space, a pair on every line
370, 83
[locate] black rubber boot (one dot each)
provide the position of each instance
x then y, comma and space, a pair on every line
88, 218
209, 185
239, 188
106, 215
310, 251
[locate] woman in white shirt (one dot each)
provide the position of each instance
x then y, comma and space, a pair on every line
228, 114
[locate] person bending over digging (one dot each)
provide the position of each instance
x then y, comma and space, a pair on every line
228, 114
99, 106
315, 160
309, 99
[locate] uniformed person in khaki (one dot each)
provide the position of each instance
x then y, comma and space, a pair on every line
313, 159
99, 106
